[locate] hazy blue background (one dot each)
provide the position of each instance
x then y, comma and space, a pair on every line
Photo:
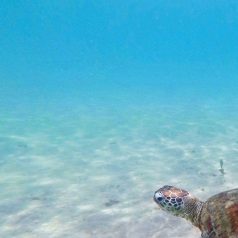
118, 52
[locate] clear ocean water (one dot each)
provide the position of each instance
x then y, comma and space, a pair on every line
103, 102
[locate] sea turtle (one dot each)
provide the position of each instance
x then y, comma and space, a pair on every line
216, 218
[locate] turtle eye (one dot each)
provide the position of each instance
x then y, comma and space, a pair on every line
159, 199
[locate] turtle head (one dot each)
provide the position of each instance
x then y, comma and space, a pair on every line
177, 201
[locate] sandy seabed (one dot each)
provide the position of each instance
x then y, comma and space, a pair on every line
95, 175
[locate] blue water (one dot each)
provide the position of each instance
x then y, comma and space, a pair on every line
102, 102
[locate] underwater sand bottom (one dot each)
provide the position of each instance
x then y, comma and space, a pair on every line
73, 179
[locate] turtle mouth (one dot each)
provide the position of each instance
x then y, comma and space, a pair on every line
159, 206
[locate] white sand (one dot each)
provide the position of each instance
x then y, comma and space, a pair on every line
93, 176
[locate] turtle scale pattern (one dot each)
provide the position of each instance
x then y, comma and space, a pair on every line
216, 218
219, 216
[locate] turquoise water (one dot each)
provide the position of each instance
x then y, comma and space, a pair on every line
92, 172
103, 103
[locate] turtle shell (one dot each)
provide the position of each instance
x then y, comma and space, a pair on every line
219, 216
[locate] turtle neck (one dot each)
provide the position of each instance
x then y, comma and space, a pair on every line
192, 211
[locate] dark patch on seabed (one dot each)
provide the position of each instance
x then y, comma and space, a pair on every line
111, 202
